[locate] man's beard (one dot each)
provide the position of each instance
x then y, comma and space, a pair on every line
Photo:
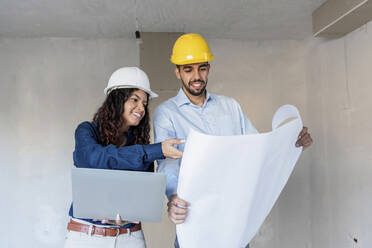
192, 92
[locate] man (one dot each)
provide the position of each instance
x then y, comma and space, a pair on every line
195, 108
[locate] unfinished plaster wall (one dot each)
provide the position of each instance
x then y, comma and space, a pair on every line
48, 86
339, 104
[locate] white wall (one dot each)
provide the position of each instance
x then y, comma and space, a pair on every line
340, 105
47, 86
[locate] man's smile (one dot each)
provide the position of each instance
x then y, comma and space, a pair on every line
197, 84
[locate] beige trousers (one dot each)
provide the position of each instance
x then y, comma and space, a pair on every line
83, 240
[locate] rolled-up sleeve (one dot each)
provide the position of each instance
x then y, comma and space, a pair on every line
90, 154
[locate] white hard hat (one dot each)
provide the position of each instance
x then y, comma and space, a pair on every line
129, 77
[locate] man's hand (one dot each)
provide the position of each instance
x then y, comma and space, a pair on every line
304, 139
177, 209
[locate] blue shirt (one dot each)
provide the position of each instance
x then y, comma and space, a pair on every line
89, 153
174, 118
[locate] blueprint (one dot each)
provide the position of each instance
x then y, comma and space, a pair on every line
232, 182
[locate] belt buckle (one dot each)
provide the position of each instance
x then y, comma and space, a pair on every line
91, 230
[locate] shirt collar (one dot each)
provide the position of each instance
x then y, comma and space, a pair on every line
182, 99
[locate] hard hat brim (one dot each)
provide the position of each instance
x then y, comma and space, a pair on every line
178, 61
151, 93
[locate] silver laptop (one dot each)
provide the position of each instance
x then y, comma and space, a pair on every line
101, 194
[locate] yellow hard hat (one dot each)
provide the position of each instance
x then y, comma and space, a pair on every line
190, 49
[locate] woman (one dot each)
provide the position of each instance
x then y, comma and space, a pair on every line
117, 138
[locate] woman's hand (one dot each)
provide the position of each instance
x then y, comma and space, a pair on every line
169, 151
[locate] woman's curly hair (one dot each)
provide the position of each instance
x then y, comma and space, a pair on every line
110, 119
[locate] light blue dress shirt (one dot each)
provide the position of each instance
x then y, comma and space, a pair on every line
174, 118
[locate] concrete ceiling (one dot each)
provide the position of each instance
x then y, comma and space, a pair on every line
238, 19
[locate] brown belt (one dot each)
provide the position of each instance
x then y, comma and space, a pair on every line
104, 231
